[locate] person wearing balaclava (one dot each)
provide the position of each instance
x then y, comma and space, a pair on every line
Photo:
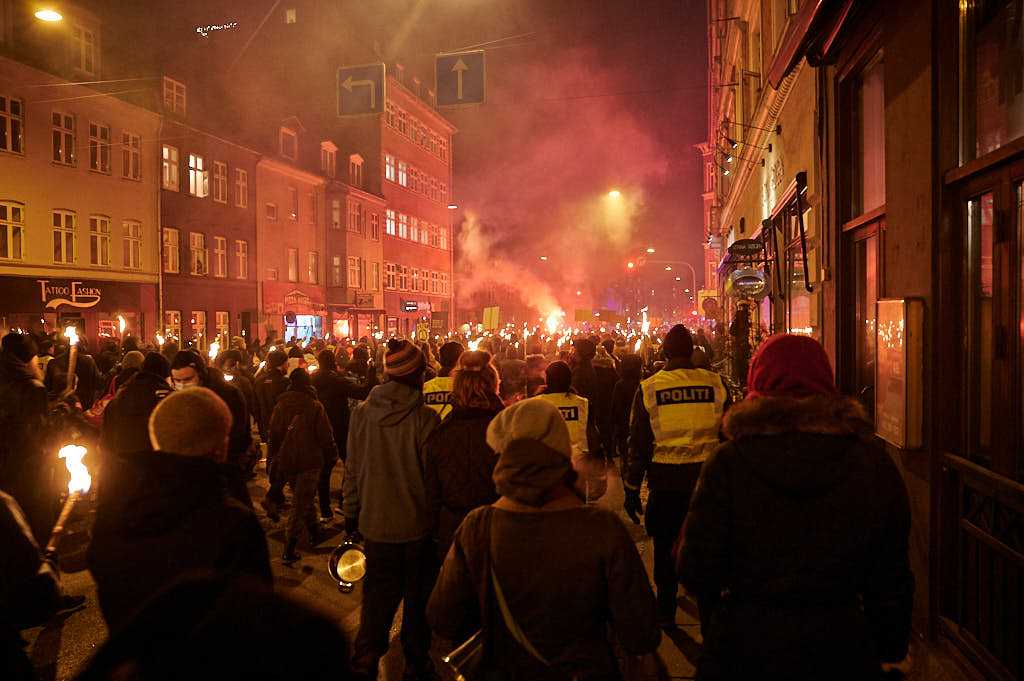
568, 572
797, 538
673, 428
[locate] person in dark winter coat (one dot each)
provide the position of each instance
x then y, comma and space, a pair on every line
458, 463
89, 380
301, 439
334, 391
631, 369
166, 514
386, 501
126, 418
584, 378
26, 452
604, 390
569, 573
804, 523
269, 385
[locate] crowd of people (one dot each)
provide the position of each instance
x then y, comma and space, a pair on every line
472, 472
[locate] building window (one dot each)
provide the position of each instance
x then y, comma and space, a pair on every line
312, 207
375, 276
241, 188
99, 240
63, 237
220, 182
355, 170
355, 217
355, 272
12, 230
403, 278
220, 256
83, 44
390, 276
198, 176
288, 141
63, 138
389, 225
198, 325
222, 322
172, 323
444, 284
241, 259
131, 156
389, 167
174, 96
328, 158
336, 270
12, 125
403, 122
424, 235
442, 239
171, 252
293, 264
313, 267
171, 174
868, 190
271, 211
416, 279
375, 226
99, 147
132, 244
414, 229
403, 226
199, 255
272, 274
403, 174
335, 214
293, 202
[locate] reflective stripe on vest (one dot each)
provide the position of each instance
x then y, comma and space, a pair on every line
686, 407
437, 395
574, 410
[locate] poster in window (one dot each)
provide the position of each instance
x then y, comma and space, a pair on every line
898, 372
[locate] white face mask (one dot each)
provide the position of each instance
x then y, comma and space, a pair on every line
184, 385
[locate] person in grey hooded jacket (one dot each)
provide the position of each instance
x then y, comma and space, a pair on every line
385, 501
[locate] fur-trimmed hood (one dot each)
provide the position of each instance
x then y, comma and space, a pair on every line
820, 415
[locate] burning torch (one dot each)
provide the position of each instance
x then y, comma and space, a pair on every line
79, 484
71, 333
122, 324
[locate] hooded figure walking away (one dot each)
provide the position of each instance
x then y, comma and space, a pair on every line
385, 500
564, 573
797, 536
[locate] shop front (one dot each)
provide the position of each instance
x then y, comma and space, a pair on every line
96, 307
292, 313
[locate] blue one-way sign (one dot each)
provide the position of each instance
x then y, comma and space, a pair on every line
361, 89
460, 78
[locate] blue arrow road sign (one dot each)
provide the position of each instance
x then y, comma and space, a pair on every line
361, 89
460, 78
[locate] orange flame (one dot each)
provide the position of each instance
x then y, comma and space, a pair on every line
80, 481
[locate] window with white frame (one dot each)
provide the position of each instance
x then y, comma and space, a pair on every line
172, 323
389, 225
375, 226
83, 46
131, 244
414, 229
220, 182
223, 323
389, 167
328, 158
241, 259
99, 147
390, 276
355, 272
198, 324
288, 141
12, 230
64, 236
336, 270
355, 217
293, 264
12, 125
403, 278
174, 96
272, 274
403, 122
199, 255
434, 282
375, 276
313, 267
241, 188
131, 156
270, 211
220, 256
442, 239
171, 173
312, 207
63, 138
389, 114
403, 226
198, 176
335, 214
293, 203
355, 170
424, 234
415, 279
403, 173
171, 242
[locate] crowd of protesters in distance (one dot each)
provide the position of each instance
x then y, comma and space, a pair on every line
473, 470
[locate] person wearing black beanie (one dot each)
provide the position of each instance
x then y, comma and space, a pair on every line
674, 426
126, 419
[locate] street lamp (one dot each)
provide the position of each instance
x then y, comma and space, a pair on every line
650, 249
544, 258
668, 268
453, 206
614, 194
48, 15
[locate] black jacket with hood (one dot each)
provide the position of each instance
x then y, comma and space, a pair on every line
804, 523
311, 439
161, 516
126, 418
334, 391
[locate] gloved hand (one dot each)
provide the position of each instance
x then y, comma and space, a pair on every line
633, 506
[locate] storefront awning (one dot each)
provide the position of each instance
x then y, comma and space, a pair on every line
814, 33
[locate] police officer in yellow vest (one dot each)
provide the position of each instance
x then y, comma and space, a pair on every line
587, 456
673, 428
437, 391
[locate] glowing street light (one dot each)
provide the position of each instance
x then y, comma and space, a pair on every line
579, 293
453, 206
614, 194
630, 265
48, 15
650, 249
668, 268
544, 258
679, 278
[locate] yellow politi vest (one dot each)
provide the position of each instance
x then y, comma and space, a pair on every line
574, 410
437, 395
686, 407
